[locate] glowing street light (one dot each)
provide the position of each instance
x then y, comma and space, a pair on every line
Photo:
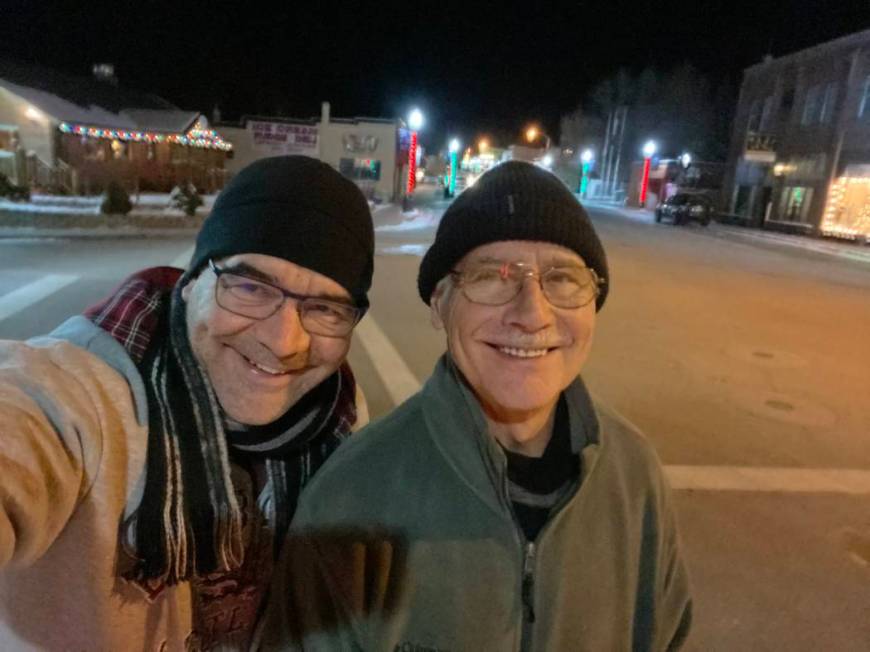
482, 145
586, 159
547, 161
649, 150
454, 150
533, 133
415, 120
686, 160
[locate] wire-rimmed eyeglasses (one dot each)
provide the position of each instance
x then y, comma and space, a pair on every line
569, 286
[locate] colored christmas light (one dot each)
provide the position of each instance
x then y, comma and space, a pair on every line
195, 137
412, 163
644, 182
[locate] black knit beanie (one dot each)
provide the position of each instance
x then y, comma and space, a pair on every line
513, 201
298, 209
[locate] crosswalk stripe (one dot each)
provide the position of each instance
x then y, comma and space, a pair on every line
27, 295
400, 382
769, 479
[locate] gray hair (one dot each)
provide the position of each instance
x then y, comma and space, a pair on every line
444, 289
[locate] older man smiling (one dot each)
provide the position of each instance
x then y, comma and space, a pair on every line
153, 449
500, 508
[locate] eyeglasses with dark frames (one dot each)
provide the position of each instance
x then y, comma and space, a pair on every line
253, 298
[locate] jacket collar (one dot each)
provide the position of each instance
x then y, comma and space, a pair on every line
456, 422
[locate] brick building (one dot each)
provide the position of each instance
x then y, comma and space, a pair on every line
799, 158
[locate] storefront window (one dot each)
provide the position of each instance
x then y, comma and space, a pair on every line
795, 203
119, 149
741, 200
364, 169
811, 106
847, 214
828, 102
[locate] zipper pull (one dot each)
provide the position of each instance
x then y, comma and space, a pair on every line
529, 582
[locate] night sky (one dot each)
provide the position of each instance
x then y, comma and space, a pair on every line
473, 68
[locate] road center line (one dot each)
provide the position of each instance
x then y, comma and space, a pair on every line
769, 479
183, 259
27, 295
400, 383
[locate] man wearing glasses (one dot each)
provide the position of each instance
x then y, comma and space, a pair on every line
152, 450
500, 508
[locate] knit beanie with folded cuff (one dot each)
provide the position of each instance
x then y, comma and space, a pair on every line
513, 201
299, 209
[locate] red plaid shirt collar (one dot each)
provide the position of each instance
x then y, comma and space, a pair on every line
131, 313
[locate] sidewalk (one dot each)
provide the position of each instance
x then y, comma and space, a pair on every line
843, 250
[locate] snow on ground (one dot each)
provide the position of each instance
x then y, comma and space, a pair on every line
414, 221
146, 203
39, 207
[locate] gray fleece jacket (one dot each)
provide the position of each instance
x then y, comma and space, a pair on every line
406, 540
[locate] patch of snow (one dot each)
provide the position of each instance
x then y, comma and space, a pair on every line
404, 250
419, 220
29, 207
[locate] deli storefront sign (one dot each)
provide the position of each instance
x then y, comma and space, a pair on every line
283, 138
760, 148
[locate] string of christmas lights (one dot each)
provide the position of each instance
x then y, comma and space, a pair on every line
195, 137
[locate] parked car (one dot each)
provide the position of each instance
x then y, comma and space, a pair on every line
683, 207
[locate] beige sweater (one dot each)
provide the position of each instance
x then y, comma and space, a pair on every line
72, 456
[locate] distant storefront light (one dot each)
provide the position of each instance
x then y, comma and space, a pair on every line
847, 214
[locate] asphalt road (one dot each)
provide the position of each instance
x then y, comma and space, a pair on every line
747, 365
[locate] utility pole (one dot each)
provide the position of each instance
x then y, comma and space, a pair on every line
621, 119
606, 153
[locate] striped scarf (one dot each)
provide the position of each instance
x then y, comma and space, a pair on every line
188, 524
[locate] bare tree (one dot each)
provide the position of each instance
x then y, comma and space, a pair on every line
678, 108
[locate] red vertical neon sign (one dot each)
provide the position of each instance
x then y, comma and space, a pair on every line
644, 182
412, 163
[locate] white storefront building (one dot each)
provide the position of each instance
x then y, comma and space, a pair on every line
365, 150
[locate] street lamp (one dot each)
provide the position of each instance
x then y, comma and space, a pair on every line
482, 145
415, 123
547, 161
586, 160
454, 150
649, 150
533, 133
686, 160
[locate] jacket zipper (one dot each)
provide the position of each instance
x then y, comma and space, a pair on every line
528, 592
527, 587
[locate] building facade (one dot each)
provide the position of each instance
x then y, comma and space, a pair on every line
367, 150
68, 134
799, 158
